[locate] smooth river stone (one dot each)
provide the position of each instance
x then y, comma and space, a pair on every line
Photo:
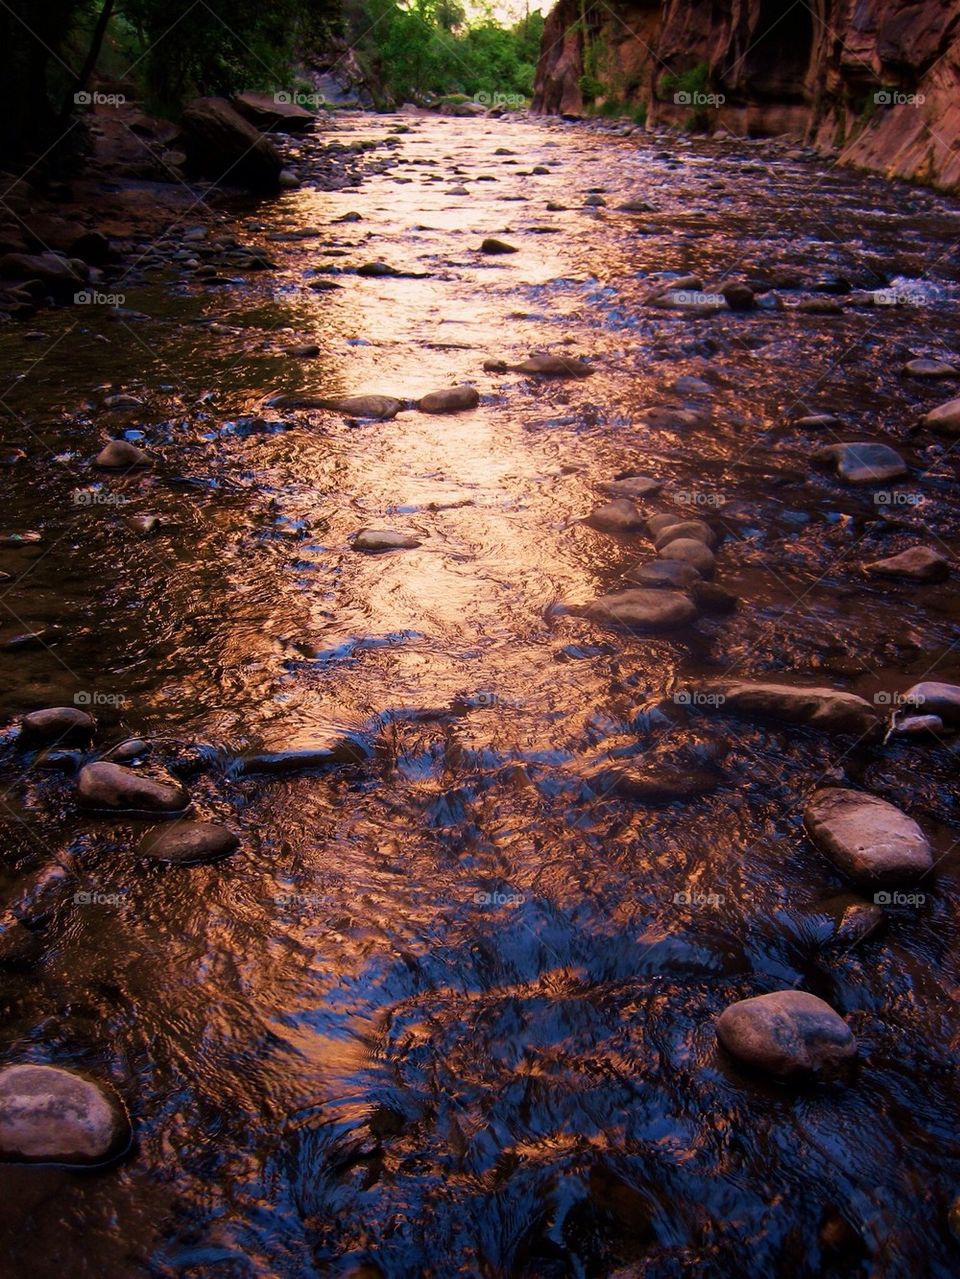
690, 551
917, 564
188, 843
932, 369
384, 539
645, 609
112, 787
492, 245
50, 1115
936, 698
119, 455
553, 366
453, 400
660, 520
945, 418
57, 724
869, 839
380, 408
788, 1032
863, 463
618, 516
632, 486
828, 709
663, 573
697, 529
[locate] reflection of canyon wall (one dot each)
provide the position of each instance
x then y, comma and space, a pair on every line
877, 81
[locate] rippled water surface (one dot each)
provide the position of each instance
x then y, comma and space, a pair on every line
450, 1010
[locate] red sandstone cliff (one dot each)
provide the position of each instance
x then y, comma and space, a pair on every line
877, 81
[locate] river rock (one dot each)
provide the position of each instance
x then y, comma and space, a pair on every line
945, 418
711, 598
49, 1115
660, 520
384, 539
739, 296
643, 609
690, 551
120, 455
270, 113
787, 1032
931, 369
917, 564
863, 463
59, 276
828, 709
491, 245
632, 486
618, 516
110, 787
653, 783
918, 726
454, 399
936, 699
696, 529
866, 837
657, 574
381, 408
553, 366
303, 350
188, 843
221, 144
56, 724
817, 422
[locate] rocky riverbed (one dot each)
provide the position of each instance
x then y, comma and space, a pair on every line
480, 638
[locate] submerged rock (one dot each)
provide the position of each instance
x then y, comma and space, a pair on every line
384, 539
50, 1115
553, 366
632, 486
492, 245
619, 516
379, 407
918, 564
696, 529
869, 839
188, 843
113, 788
454, 399
828, 709
787, 1032
863, 463
57, 724
664, 573
656, 783
120, 455
644, 609
931, 369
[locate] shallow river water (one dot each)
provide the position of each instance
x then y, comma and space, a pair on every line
450, 1009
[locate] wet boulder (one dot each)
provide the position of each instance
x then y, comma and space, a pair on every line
936, 699
917, 564
673, 574
494, 246
50, 1115
553, 366
863, 463
696, 529
220, 144
652, 610
62, 278
632, 486
785, 1033
866, 837
120, 455
946, 417
455, 399
380, 408
690, 551
618, 516
827, 709
931, 369
273, 113
384, 539
188, 843
55, 725
107, 787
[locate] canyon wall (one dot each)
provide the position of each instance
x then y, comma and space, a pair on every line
875, 82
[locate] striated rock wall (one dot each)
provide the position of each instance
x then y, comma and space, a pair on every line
876, 82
